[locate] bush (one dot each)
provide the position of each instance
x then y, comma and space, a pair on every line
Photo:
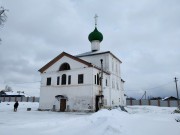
177, 110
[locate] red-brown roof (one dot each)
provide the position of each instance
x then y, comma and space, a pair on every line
70, 56
59, 57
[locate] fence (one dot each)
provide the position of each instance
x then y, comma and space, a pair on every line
168, 103
20, 99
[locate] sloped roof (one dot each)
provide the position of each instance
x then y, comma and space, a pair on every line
91, 53
59, 57
70, 56
170, 98
12, 93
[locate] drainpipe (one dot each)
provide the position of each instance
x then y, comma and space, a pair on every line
110, 99
92, 92
101, 91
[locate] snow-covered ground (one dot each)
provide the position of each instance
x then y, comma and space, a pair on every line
140, 120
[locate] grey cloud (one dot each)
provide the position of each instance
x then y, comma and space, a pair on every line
143, 34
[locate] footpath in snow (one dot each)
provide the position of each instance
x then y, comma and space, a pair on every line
140, 120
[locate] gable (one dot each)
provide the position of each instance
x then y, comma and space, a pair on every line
64, 57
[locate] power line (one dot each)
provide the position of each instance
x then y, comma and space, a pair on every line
160, 85
148, 89
14, 83
134, 90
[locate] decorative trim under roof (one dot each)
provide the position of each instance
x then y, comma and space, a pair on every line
59, 57
92, 53
70, 56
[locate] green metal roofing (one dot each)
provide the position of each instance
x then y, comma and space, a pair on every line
95, 35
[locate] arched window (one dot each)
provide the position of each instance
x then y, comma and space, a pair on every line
64, 66
63, 79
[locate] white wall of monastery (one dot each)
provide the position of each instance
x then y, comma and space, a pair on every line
83, 96
115, 91
73, 64
95, 59
80, 96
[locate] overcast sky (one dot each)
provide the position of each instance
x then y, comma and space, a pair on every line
143, 34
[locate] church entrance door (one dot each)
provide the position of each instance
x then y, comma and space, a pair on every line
63, 105
97, 103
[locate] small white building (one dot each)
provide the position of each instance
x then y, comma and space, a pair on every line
73, 83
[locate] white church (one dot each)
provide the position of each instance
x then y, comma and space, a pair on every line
85, 82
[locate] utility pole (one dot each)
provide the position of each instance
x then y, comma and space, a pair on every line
177, 89
144, 95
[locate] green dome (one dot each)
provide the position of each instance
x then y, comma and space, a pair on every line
95, 35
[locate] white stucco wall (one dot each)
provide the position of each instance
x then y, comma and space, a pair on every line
82, 96
113, 93
79, 97
95, 45
73, 64
95, 59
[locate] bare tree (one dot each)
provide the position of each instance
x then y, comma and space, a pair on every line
8, 88
3, 16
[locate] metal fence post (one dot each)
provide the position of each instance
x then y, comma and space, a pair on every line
130, 101
149, 101
159, 103
140, 103
168, 103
